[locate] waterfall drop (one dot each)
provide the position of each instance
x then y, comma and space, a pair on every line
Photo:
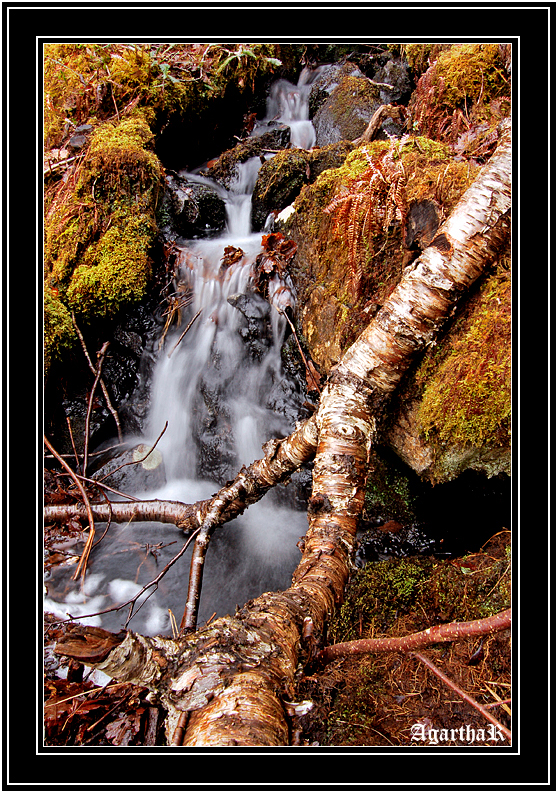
217, 387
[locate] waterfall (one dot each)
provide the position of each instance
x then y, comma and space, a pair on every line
216, 387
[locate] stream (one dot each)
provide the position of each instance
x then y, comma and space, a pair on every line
219, 391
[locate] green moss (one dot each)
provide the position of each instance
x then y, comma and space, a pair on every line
101, 226
470, 73
117, 270
423, 591
378, 592
59, 333
388, 490
467, 397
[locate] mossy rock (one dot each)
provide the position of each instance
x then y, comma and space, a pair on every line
347, 111
116, 270
332, 314
467, 85
454, 410
100, 224
59, 333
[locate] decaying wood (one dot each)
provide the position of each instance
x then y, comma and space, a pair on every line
384, 111
234, 676
448, 632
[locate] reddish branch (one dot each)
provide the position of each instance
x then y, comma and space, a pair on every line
448, 632
87, 507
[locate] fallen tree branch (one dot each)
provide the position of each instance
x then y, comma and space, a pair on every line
448, 632
282, 457
384, 111
87, 507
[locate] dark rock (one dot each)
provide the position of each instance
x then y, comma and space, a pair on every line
193, 209
223, 169
422, 223
396, 74
327, 81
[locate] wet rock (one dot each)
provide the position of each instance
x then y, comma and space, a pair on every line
377, 543
344, 100
281, 179
193, 210
223, 169
394, 73
327, 81
347, 111
134, 470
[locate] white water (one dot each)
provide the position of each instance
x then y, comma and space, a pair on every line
213, 396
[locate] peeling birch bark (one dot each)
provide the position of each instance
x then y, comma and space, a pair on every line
234, 676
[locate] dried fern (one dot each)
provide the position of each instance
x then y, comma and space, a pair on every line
368, 206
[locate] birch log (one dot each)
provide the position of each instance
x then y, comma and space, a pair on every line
235, 677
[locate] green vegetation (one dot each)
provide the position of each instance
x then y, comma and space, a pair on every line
88, 83
427, 590
389, 490
470, 73
467, 393
101, 220
100, 227
59, 333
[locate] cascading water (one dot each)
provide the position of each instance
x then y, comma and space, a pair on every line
216, 389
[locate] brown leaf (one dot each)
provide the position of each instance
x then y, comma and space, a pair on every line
88, 643
232, 255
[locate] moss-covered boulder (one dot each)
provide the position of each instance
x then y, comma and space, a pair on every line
348, 228
346, 112
100, 225
455, 410
465, 85
281, 179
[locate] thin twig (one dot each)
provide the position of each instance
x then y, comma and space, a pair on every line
454, 687
72, 441
306, 364
185, 332
100, 359
83, 560
135, 462
102, 382
132, 600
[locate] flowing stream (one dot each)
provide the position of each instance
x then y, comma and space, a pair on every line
221, 392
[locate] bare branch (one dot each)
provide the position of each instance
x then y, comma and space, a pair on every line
448, 632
